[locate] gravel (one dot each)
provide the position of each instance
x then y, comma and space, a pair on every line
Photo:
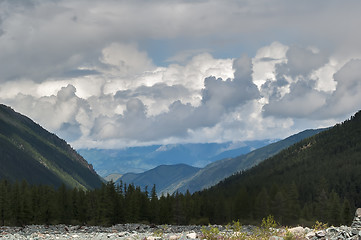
120, 231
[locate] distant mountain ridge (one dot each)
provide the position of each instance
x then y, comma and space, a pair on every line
160, 176
196, 179
143, 158
29, 152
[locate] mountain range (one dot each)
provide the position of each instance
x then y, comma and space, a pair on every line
182, 178
160, 176
142, 158
29, 152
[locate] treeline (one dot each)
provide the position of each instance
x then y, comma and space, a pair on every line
23, 204
284, 202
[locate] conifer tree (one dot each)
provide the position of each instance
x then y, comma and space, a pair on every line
293, 206
4, 203
154, 206
64, 204
242, 204
262, 204
346, 216
334, 207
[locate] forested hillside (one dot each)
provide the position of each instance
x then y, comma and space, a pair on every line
317, 178
29, 152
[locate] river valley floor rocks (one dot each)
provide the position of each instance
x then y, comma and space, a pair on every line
172, 232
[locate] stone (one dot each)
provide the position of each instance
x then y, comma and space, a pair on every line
358, 213
192, 235
320, 234
297, 230
153, 238
276, 238
310, 235
173, 237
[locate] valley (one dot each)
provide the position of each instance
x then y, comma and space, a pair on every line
310, 175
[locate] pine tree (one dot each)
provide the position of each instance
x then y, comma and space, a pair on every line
15, 204
26, 211
262, 204
242, 204
346, 215
4, 202
64, 204
154, 206
293, 205
279, 206
334, 207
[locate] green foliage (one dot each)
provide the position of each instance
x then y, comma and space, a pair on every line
160, 231
268, 227
289, 236
210, 232
319, 226
269, 223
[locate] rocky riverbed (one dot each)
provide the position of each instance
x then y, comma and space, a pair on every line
171, 232
120, 231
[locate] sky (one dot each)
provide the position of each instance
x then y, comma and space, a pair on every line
115, 74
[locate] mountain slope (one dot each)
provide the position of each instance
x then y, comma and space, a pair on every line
27, 151
161, 176
317, 178
219, 170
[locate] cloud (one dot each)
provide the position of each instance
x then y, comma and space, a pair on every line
294, 92
231, 92
302, 61
64, 113
219, 97
50, 39
301, 101
100, 75
346, 98
126, 59
301, 90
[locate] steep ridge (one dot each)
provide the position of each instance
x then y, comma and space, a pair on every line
219, 170
29, 152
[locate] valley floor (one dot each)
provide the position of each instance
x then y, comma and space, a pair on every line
120, 231
152, 232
